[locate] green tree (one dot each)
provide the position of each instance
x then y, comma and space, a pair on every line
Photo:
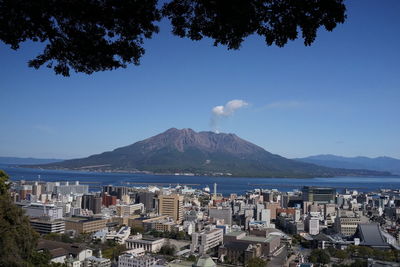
256, 262
192, 258
168, 249
341, 254
113, 252
89, 36
135, 230
319, 256
17, 238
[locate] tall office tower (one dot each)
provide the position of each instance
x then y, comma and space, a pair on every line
171, 205
319, 194
268, 196
97, 205
147, 198
92, 203
273, 207
121, 191
87, 201
108, 189
37, 189
117, 191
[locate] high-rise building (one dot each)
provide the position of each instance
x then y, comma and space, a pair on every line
319, 194
68, 188
273, 207
147, 198
92, 202
171, 205
37, 189
313, 225
108, 200
346, 222
117, 191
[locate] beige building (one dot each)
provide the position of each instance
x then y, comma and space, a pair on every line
85, 225
142, 222
129, 210
171, 205
269, 244
206, 240
347, 221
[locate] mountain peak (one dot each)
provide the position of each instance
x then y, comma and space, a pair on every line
206, 153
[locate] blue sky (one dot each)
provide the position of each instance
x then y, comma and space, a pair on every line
339, 96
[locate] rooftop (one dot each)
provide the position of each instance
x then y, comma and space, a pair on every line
235, 233
82, 219
370, 235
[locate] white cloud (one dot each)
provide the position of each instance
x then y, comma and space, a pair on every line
227, 110
229, 107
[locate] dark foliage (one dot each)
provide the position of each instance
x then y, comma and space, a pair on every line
168, 249
256, 262
319, 256
89, 36
180, 235
17, 238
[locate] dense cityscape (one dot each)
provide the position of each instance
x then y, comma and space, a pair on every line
180, 226
196, 133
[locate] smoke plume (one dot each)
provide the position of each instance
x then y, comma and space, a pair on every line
219, 112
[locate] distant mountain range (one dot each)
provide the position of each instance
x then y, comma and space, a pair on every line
26, 161
379, 164
201, 153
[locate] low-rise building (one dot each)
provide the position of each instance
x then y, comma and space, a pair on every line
268, 244
121, 236
61, 251
43, 226
96, 262
149, 244
134, 260
85, 225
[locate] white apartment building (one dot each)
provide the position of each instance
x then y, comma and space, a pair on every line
134, 260
96, 262
313, 226
37, 210
148, 244
205, 240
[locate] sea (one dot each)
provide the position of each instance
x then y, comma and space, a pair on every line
225, 185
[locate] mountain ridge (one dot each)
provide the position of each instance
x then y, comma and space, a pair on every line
26, 160
382, 163
202, 153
